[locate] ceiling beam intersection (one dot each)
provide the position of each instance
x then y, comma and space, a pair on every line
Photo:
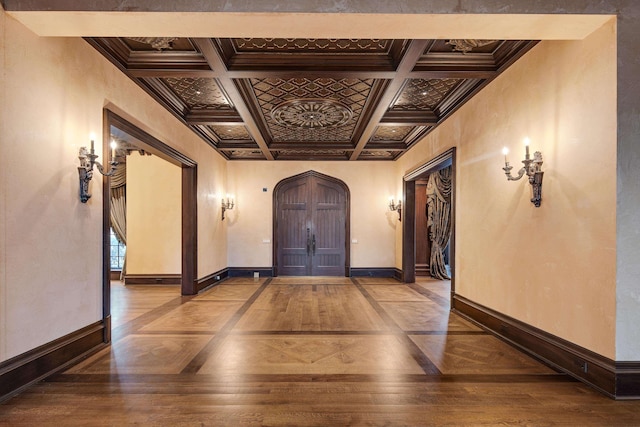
411, 56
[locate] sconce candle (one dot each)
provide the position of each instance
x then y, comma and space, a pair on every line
533, 169
396, 207
227, 205
85, 170
505, 151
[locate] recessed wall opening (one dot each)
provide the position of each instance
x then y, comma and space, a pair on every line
147, 144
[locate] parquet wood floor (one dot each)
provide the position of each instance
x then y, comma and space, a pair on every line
306, 352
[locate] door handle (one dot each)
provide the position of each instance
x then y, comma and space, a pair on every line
313, 245
308, 242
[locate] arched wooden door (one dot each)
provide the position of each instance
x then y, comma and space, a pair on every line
311, 226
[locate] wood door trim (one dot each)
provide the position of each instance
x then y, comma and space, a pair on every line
347, 193
189, 245
409, 221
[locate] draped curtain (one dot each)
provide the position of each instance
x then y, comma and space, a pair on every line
439, 220
118, 212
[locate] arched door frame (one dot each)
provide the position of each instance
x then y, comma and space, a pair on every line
278, 187
409, 214
188, 200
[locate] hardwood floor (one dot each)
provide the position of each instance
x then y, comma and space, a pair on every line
306, 352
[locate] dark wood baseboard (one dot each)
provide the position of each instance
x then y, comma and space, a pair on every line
619, 380
423, 270
152, 279
21, 371
628, 380
372, 272
114, 275
398, 274
211, 279
248, 271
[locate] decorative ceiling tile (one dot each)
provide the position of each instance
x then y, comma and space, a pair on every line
338, 104
245, 154
337, 154
198, 93
312, 45
421, 94
231, 133
158, 43
378, 154
391, 133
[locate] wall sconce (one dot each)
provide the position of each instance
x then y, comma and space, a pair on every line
85, 170
531, 167
396, 207
227, 205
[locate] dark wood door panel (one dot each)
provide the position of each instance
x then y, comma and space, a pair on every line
311, 227
293, 214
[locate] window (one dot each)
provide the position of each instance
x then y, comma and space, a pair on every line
117, 252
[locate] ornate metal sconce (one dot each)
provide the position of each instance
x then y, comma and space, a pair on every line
396, 207
85, 170
533, 169
227, 205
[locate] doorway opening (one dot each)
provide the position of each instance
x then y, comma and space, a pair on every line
417, 234
113, 123
311, 231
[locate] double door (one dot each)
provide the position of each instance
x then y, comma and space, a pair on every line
310, 229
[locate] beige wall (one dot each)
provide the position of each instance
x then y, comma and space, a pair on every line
53, 94
154, 216
251, 221
554, 266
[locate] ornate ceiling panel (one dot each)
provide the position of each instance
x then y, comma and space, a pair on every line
391, 133
311, 110
198, 93
231, 133
310, 99
314, 45
421, 94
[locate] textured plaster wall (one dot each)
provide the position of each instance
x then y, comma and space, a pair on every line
53, 94
3, 196
553, 267
251, 221
153, 216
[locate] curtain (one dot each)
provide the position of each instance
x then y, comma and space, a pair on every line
118, 212
439, 220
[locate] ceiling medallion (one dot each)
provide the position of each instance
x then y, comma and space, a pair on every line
158, 43
467, 45
311, 113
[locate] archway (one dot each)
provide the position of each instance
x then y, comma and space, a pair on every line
311, 226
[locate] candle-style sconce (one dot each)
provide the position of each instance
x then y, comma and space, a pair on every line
85, 170
227, 204
532, 168
396, 207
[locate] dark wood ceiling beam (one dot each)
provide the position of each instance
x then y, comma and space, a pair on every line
166, 72
408, 61
310, 73
459, 96
213, 117
275, 146
244, 145
165, 96
385, 146
217, 64
451, 74
409, 118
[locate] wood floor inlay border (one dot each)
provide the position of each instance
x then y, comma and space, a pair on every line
425, 363
217, 380
200, 359
363, 352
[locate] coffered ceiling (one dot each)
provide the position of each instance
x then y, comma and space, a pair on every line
311, 99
